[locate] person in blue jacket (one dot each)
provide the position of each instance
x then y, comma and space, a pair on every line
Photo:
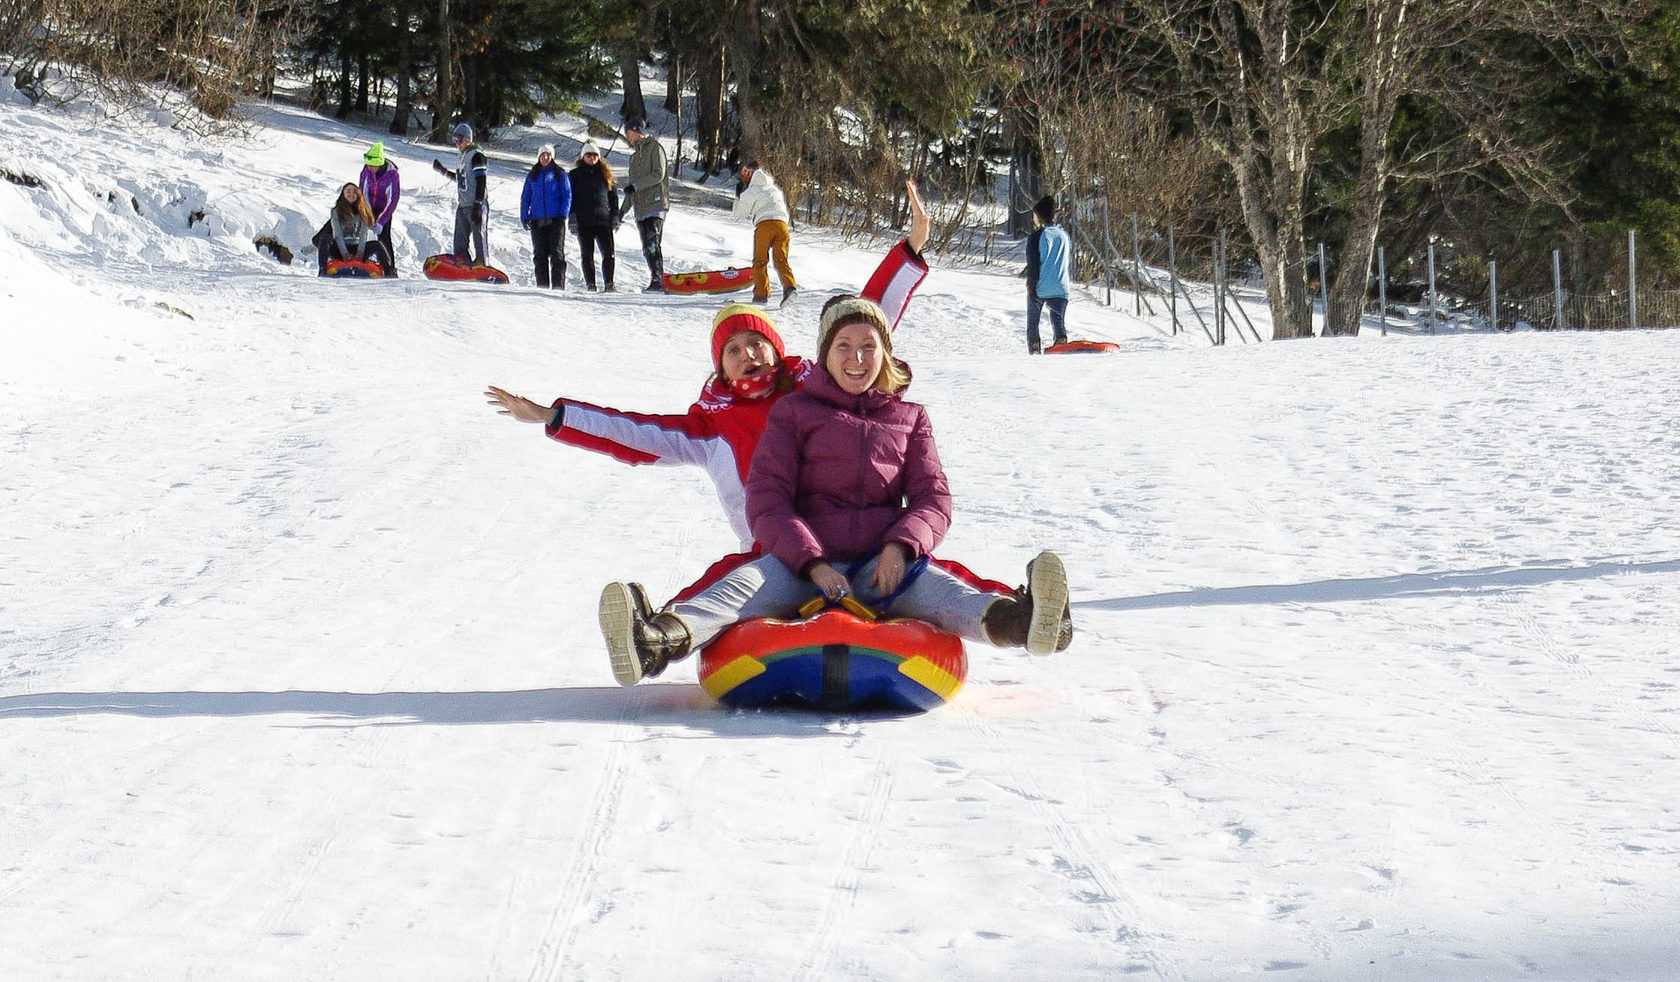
543, 208
1049, 252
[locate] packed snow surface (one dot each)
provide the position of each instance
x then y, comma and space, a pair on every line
300, 676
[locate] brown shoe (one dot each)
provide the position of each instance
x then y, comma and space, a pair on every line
1035, 617
640, 643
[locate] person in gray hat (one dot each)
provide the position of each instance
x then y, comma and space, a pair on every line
472, 197
648, 187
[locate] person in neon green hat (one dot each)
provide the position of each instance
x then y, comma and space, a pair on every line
381, 188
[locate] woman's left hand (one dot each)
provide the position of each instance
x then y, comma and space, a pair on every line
518, 407
889, 569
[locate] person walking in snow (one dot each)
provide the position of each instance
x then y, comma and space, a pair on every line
381, 187
543, 207
647, 188
472, 196
348, 233
1049, 251
762, 203
833, 527
595, 209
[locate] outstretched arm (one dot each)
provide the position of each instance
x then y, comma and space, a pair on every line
920, 224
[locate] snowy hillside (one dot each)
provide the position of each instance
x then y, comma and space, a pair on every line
300, 676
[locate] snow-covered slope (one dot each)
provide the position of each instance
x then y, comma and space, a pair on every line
300, 676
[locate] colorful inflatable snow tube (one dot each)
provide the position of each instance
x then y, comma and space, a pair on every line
836, 660
712, 281
1079, 347
446, 267
361, 269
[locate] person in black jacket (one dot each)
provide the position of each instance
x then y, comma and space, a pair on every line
595, 208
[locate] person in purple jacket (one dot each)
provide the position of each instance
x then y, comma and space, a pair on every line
847, 496
381, 187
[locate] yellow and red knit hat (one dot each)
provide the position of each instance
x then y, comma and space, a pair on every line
738, 317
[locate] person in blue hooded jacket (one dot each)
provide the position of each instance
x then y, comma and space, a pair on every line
543, 208
1049, 253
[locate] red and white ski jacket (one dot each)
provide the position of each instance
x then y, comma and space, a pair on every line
720, 431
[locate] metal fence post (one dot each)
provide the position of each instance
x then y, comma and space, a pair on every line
1172, 273
1220, 290
1324, 287
1431, 288
1557, 291
1137, 265
1633, 286
1493, 293
1382, 291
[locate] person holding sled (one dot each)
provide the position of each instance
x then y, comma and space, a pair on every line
1049, 251
832, 528
543, 207
381, 187
349, 233
472, 196
762, 203
595, 209
648, 188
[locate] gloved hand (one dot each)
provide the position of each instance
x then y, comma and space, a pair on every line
629, 189
478, 217
437, 165
378, 230
525, 225
740, 188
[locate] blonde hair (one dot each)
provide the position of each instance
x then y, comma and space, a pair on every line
845, 310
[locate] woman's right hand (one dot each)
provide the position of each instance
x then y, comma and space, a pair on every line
920, 224
829, 580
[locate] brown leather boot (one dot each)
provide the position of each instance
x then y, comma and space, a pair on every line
1036, 616
640, 642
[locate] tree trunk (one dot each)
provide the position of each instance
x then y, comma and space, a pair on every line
405, 77
1026, 166
708, 106
630, 71
443, 106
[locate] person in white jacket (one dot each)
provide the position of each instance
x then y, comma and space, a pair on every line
762, 203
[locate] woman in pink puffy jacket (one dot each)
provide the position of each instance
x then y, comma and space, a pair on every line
846, 495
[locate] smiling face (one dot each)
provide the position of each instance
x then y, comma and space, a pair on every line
854, 357
747, 355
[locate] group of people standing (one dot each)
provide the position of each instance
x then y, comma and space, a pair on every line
588, 199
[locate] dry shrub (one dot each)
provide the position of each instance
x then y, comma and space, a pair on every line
136, 52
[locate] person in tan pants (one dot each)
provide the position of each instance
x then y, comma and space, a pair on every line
762, 203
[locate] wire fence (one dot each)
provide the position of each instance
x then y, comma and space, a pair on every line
1197, 280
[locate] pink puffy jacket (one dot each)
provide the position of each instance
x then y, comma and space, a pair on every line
836, 476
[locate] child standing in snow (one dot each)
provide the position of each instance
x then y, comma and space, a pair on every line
381, 188
762, 203
348, 233
833, 528
472, 196
1049, 250
543, 207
